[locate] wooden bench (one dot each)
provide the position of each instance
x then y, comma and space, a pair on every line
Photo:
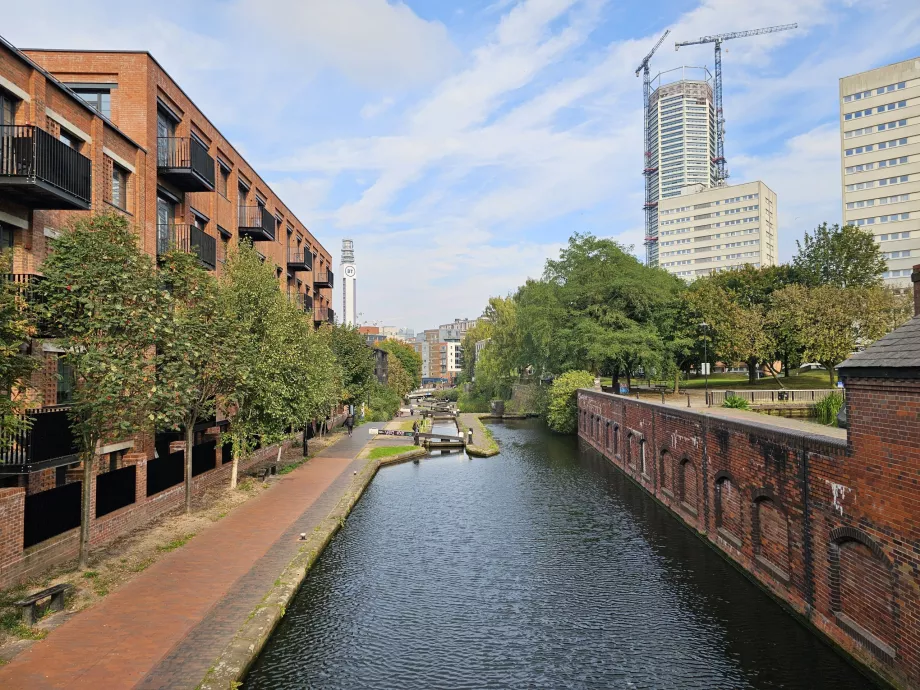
31, 611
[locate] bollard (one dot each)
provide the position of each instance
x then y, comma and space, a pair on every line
688, 400
662, 397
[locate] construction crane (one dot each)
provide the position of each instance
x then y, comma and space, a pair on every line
719, 159
650, 235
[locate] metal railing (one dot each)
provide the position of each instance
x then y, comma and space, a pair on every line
762, 397
188, 239
47, 439
307, 303
325, 278
30, 298
30, 152
178, 153
326, 314
256, 218
300, 258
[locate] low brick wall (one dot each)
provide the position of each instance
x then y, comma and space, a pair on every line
790, 509
18, 564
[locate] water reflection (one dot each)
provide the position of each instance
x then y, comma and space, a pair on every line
540, 567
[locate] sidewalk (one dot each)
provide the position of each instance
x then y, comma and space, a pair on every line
166, 627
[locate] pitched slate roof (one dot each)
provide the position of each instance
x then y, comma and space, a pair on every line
900, 349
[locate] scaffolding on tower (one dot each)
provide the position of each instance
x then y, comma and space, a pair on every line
651, 230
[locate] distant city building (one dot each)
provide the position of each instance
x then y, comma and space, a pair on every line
349, 284
880, 111
705, 231
682, 141
372, 335
461, 325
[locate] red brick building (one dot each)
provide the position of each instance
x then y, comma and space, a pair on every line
113, 132
831, 527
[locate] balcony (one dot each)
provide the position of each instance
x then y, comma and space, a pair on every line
307, 303
299, 260
186, 163
41, 172
188, 239
323, 314
256, 223
30, 298
323, 279
49, 442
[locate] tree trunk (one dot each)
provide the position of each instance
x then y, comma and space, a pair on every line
785, 361
189, 437
234, 468
752, 370
87, 497
830, 371
773, 374
677, 381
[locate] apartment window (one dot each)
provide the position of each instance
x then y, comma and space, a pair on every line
69, 139
99, 99
890, 106
223, 178
64, 383
6, 237
119, 194
7, 109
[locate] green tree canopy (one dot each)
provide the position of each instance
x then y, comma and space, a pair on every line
839, 257
356, 361
410, 359
102, 295
562, 410
17, 326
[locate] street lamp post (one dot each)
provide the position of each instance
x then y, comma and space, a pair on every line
705, 327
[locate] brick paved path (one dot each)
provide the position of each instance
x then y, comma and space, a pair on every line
166, 627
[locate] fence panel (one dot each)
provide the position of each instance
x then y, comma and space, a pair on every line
51, 512
115, 490
204, 457
165, 472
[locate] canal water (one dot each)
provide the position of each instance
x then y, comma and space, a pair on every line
540, 567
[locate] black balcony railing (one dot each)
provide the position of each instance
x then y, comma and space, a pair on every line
322, 314
307, 303
256, 223
323, 279
188, 239
186, 163
40, 171
48, 442
299, 260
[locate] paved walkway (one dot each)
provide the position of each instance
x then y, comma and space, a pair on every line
166, 627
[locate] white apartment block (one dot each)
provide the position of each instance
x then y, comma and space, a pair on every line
705, 231
454, 358
880, 161
683, 140
461, 325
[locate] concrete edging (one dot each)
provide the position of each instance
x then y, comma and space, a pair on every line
238, 656
476, 451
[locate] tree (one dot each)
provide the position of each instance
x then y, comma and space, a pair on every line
839, 257
398, 378
356, 361
406, 354
252, 298
562, 411
101, 293
16, 328
197, 351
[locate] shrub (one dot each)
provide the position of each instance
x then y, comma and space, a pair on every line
736, 402
472, 403
562, 412
449, 394
384, 404
826, 410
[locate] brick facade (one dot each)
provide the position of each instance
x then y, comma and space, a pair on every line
831, 528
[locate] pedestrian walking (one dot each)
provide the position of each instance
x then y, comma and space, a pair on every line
350, 423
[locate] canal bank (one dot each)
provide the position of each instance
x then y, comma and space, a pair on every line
167, 627
544, 568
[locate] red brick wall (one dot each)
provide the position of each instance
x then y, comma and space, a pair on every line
830, 527
17, 565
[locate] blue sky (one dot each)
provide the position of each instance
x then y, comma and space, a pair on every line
459, 144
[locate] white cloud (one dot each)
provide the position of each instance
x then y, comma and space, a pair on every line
378, 44
372, 110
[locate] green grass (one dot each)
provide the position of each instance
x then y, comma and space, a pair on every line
826, 410
175, 543
11, 623
389, 451
90, 574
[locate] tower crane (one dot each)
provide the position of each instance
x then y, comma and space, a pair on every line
650, 235
719, 159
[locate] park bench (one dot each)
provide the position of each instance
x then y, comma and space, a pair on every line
31, 611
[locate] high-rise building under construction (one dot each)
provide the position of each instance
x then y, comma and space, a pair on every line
681, 142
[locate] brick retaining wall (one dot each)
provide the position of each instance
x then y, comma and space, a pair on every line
828, 526
18, 564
